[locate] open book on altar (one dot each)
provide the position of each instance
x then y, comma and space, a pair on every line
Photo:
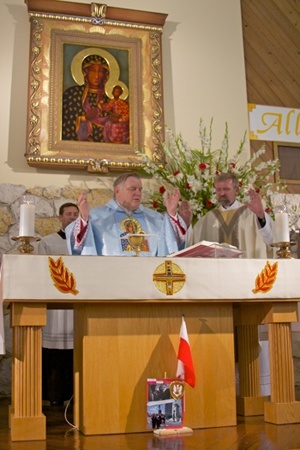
206, 249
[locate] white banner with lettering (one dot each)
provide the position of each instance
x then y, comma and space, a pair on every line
272, 123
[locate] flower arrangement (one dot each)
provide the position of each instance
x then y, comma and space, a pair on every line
193, 171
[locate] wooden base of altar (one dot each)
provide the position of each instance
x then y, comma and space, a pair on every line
282, 413
118, 346
28, 428
251, 406
27, 421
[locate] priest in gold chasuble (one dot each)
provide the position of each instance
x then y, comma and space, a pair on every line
247, 227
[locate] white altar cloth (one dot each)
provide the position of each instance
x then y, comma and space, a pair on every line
27, 277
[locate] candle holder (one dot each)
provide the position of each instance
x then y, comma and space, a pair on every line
25, 246
283, 251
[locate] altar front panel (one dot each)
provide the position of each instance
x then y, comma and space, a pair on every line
126, 327
119, 346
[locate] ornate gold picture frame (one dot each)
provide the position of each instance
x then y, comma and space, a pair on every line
95, 87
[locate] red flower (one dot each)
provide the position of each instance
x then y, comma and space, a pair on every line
162, 190
218, 172
176, 173
155, 205
257, 190
232, 165
188, 186
267, 210
202, 166
208, 203
240, 184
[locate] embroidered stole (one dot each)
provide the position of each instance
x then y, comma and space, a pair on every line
228, 224
132, 225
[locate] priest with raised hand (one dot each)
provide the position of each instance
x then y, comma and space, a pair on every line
247, 227
103, 230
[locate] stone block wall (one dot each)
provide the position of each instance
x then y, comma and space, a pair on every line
48, 200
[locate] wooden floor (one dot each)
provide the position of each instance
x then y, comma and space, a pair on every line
250, 433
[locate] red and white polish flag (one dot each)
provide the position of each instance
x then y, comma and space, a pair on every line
185, 366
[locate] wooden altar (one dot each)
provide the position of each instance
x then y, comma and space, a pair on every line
127, 322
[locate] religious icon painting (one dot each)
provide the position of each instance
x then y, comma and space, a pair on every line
165, 403
95, 87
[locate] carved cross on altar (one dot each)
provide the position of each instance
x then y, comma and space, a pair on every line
169, 278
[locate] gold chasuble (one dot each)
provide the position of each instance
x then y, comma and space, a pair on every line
228, 225
236, 227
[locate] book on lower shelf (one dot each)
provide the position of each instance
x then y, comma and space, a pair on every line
206, 249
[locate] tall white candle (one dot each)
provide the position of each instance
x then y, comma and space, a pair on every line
27, 219
282, 233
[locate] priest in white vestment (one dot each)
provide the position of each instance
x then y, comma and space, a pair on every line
103, 230
57, 335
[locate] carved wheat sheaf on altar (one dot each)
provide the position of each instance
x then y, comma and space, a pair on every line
266, 279
63, 279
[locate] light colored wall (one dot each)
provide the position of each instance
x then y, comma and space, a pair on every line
204, 76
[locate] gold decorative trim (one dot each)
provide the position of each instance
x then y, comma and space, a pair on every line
95, 21
98, 11
45, 146
92, 165
157, 98
35, 88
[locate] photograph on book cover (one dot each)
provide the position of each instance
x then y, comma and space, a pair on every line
95, 94
165, 403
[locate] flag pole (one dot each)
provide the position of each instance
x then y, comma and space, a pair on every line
185, 354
